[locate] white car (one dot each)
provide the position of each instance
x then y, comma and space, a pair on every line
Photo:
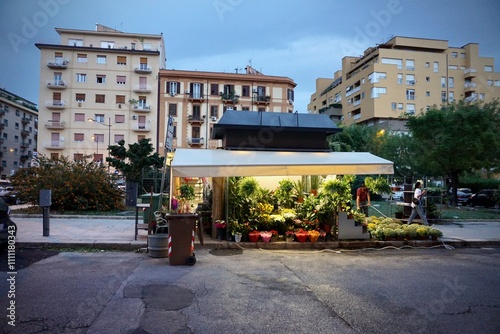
398, 195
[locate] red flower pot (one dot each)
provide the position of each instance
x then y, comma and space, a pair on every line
254, 236
302, 237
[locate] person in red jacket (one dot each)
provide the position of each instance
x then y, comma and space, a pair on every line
363, 199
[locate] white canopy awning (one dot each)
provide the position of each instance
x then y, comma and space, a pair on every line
224, 163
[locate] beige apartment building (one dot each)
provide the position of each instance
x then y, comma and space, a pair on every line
196, 100
401, 77
18, 132
98, 87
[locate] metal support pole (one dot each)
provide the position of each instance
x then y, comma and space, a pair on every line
46, 221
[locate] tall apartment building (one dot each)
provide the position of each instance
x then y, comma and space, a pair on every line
103, 75
402, 77
18, 132
197, 99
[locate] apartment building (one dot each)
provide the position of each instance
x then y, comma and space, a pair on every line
18, 132
401, 77
197, 99
98, 87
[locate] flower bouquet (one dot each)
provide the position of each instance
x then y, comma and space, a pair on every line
266, 236
313, 235
254, 236
301, 235
290, 235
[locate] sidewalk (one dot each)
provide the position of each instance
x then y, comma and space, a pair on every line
118, 233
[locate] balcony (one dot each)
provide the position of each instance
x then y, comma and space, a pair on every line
262, 99
195, 119
470, 72
57, 64
54, 144
196, 97
196, 141
142, 68
25, 121
24, 145
55, 104
142, 108
56, 84
25, 133
141, 127
54, 125
470, 86
142, 89
229, 98
23, 158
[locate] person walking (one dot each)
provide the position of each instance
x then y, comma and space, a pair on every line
416, 204
363, 199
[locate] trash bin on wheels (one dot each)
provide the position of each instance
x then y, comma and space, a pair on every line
181, 231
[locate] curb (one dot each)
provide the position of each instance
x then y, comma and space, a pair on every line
331, 245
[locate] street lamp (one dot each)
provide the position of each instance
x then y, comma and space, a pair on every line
109, 133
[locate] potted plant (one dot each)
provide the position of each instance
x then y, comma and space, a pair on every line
220, 227
422, 233
186, 194
266, 236
290, 236
434, 233
301, 235
254, 236
313, 235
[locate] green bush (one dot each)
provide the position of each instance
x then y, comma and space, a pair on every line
74, 185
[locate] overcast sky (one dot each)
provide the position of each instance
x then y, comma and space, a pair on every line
300, 39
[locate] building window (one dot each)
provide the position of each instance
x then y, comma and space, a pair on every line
427, 64
410, 108
451, 96
245, 91
428, 79
245, 108
119, 118
100, 98
79, 97
451, 82
393, 61
172, 109
214, 89
376, 76
489, 82
228, 90
497, 83
488, 68
376, 91
121, 80
453, 67
394, 105
410, 94
290, 95
454, 54
79, 117
81, 77
410, 79
120, 99
214, 111
81, 58
400, 78
78, 156
99, 118
443, 82
410, 64
101, 59
121, 60
100, 79
462, 55
436, 67
173, 87
443, 96
75, 42
481, 96
78, 137
118, 138
427, 93
196, 90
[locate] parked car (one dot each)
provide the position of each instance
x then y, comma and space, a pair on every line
485, 197
463, 197
8, 193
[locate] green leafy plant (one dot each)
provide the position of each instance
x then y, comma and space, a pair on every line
186, 192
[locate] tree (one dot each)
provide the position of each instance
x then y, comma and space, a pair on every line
75, 185
456, 138
132, 161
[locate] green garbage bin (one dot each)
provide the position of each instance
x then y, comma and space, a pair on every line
146, 199
181, 239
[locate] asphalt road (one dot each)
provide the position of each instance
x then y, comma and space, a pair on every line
253, 291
